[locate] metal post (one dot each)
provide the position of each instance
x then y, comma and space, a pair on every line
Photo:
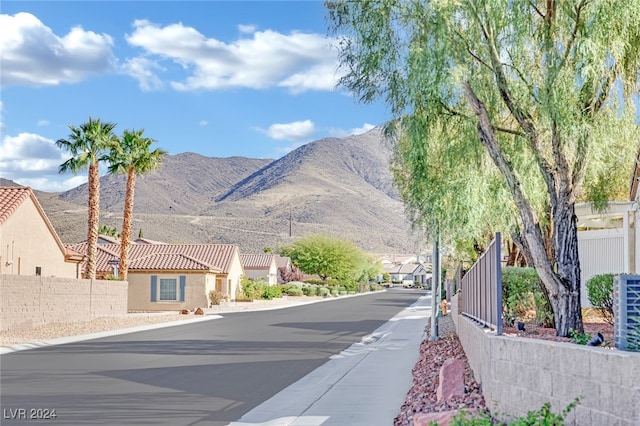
435, 287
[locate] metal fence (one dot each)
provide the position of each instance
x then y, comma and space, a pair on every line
481, 295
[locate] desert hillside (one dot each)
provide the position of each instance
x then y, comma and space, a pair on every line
335, 186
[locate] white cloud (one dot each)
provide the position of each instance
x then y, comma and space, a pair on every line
295, 131
142, 69
204, 122
263, 59
33, 55
33, 160
48, 184
43, 123
247, 29
340, 133
29, 153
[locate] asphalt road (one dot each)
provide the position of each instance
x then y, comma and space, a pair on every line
204, 373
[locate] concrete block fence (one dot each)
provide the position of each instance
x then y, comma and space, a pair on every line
30, 301
520, 374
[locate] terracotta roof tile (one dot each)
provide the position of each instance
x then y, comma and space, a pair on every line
196, 257
11, 197
256, 261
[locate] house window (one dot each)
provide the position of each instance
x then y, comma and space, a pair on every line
168, 289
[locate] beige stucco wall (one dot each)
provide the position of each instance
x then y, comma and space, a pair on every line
520, 374
140, 292
29, 301
236, 271
26, 240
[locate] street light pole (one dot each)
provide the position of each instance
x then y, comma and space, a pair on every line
435, 288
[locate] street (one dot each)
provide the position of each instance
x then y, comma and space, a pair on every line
208, 372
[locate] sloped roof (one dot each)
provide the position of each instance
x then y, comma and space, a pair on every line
12, 197
257, 261
405, 268
282, 261
167, 257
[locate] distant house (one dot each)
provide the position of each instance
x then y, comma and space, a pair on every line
609, 242
165, 277
283, 263
29, 245
260, 266
407, 273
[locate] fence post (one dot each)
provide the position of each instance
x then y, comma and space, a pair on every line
435, 286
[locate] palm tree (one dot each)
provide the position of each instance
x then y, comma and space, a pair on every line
87, 143
132, 156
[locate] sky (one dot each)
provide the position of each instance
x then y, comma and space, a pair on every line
219, 78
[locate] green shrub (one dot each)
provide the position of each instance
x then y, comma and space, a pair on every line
293, 291
310, 290
323, 291
316, 281
270, 292
334, 291
600, 294
542, 417
522, 293
579, 338
252, 290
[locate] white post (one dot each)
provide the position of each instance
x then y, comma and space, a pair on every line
435, 289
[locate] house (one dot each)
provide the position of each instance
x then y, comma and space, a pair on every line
260, 266
609, 242
166, 277
407, 273
29, 245
284, 264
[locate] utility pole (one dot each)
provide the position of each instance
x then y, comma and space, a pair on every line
435, 288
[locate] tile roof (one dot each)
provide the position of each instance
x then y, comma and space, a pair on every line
257, 261
283, 261
191, 257
11, 197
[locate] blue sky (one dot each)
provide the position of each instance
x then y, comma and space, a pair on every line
236, 78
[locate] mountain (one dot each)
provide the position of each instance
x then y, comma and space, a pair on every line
335, 186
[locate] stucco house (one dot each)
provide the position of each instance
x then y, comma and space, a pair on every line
262, 265
29, 245
166, 277
609, 242
283, 263
407, 273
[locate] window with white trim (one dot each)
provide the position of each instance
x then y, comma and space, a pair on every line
168, 289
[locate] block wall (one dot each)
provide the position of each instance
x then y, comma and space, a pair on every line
30, 301
521, 374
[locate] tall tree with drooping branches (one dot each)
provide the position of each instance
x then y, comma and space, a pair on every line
132, 156
86, 144
543, 89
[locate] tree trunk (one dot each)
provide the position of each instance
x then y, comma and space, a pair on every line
562, 277
123, 265
93, 220
568, 310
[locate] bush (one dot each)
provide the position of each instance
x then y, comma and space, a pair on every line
252, 290
522, 294
310, 290
294, 291
270, 292
215, 297
600, 294
323, 291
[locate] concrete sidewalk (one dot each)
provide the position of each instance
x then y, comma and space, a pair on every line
362, 386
